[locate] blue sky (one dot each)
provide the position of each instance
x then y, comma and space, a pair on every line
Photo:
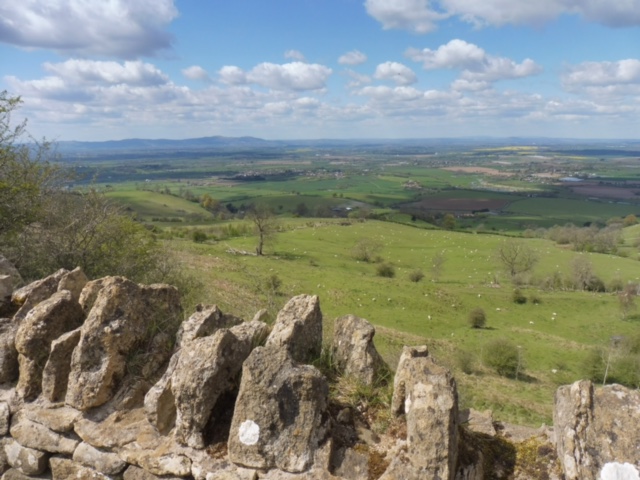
285, 69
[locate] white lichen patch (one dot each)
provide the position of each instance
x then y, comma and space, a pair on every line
619, 471
249, 432
407, 404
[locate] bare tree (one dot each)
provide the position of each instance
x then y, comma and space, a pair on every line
582, 270
437, 265
265, 224
517, 257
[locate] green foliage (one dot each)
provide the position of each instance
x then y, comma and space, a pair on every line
477, 318
416, 275
504, 357
518, 297
465, 361
386, 270
366, 250
198, 236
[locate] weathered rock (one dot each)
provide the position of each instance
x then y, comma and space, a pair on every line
118, 429
64, 469
5, 418
28, 460
351, 463
280, 417
594, 427
137, 473
208, 367
8, 353
104, 462
476, 421
73, 281
15, 474
298, 328
30, 295
156, 461
60, 419
90, 291
42, 325
124, 319
204, 322
353, 350
159, 402
55, 375
7, 268
34, 435
6, 289
426, 393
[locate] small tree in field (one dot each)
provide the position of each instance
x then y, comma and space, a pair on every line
517, 257
477, 318
265, 224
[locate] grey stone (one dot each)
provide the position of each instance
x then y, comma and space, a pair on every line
27, 460
73, 281
8, 354
55, 375
64, 469
34, 435
104, 462
206, 320
30, 295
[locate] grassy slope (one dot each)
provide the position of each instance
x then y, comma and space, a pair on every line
315, 258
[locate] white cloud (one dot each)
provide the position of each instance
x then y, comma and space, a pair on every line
121, 28
623, 72
414, 15
391, 94
357, 79
195, 72
475, 63
232, 75
421, 16
88, 71
354, 57
290, 76
396, 72
294, 55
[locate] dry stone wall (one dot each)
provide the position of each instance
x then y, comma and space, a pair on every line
103, 379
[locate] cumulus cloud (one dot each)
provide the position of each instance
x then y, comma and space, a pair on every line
195, 72
390, 94
623, 72
290, 76
414, 15
354, 57
421, 16
357, 79
396, 72
118, 28
294, 55
87, 71
475, 63
232, 75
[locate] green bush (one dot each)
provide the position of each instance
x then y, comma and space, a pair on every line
198, 236
477, 318
504, 357
386, 270
518, 297
465, 361
416, 275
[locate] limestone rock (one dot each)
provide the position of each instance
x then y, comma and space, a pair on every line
55, 375
30, 295
34, 435
27, 460
204, 322
123, 319
6, 289
73, 281
5, 417
118, 429
104, 462
64, 469
159, 402
156, 461
280, 417
426, 393
15, 474
90, 291
41, 326
60, 419
594, 427
137, 473
8, 269
8, 353
208, 367
353, 350
476, 421
298, 328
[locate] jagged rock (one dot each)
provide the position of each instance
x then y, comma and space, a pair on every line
6, 289
261, 315
104, 462
27, 460
476, 421
34, 435
30, 295
7, 268
74, 282
55, 375
280, 416
5, 418
205, 322
353, 350
351, 463
137, 473
426, 394
123, 319
8, 353
60, 419
90, 291
41, 326
64, 469
208, 367
15, 474
595, 427
157, 461
159, 402
118, 429
298, 328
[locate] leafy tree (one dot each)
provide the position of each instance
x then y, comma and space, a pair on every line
504, 357
302, 210
366, 249
517, 257
477, 318
386, 270
629, 220
265, 225
449, 222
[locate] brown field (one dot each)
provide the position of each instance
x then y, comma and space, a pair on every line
606, 191
459, 204
483, 170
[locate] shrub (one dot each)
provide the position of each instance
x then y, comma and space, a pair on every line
536, 300
366, 250
477, 318
518, 297
198, 236
465, 361
504, 357
416, 276
386, 270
